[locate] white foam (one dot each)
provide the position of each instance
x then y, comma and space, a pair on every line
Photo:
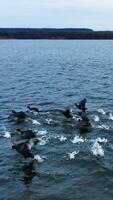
34, 121
43, 132
39, 158
101, 111
103, 126
77, 139
55, 136
97, 149
62, 138
45, 113
7, 134
110, 116
42, 141
99, 139
49, 121
96, 118
73, 154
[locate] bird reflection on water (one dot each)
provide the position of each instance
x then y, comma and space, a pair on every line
29, 173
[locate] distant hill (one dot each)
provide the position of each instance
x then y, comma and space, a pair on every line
53, 33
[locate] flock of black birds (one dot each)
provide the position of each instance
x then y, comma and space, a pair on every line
21, 145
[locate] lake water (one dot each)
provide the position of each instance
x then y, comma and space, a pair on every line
53, 75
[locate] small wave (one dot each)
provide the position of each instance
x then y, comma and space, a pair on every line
110, 116
39, 158
73, 154
34, 121
101, 111
45, 112
77, 139
96, 118
97, 149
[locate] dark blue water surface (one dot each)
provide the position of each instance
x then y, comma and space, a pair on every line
54, 75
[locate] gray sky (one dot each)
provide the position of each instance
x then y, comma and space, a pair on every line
95, 14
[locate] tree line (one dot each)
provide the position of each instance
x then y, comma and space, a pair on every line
54, 33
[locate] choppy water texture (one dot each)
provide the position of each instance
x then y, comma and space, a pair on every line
52, 75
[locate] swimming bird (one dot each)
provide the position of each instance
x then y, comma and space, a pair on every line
29, 172
82, 105
84, 123
23, 149
25, 142
26, 134
67, 113
18, 116
33, 109
84, 117
84, 127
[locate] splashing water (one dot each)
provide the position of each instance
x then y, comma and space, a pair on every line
97, 149
62, 138
103, 126
110, 116
34, 121
39, 158
42, 141
43, 132
7, 134
96, 118
73, 154
101, 111
99, 139
77, 139
48, 121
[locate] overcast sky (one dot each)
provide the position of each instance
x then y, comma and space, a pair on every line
95, 14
